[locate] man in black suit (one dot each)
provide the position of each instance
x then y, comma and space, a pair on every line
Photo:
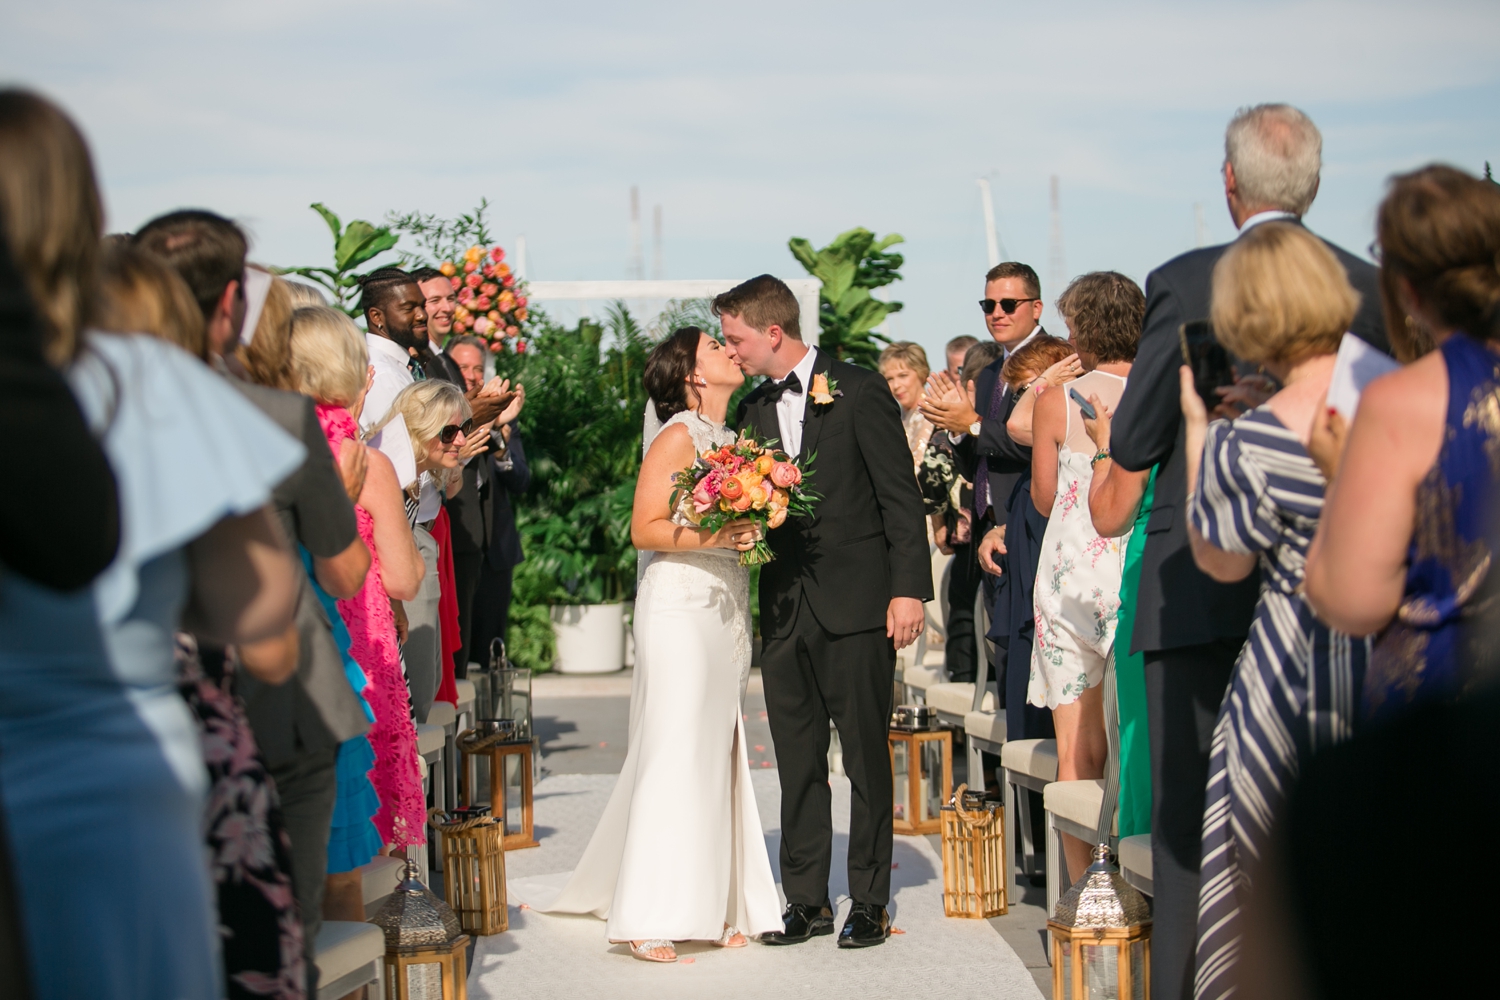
844, 592
995, 463
1189, 628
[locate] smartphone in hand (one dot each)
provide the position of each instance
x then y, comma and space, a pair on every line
1084, 406
1213, 367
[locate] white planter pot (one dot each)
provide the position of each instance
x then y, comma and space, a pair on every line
590, 638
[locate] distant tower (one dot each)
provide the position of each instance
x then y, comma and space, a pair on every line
1200, 228
991, 237
658, 272
1057, 262
636, 266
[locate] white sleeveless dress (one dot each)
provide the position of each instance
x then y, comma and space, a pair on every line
679, 851
1078, 581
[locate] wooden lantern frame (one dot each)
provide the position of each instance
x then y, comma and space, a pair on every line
496, 754
452, 958
913, 740
1069, 942
974, 859
474, 872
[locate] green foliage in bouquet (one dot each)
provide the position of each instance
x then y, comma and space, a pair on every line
849, 267
582, 427
357, 243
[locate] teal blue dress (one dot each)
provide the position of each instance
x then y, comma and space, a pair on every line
352, 839
101, 770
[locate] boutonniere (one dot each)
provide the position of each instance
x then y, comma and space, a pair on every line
823, 390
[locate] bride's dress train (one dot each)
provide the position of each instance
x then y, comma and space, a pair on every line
679, 851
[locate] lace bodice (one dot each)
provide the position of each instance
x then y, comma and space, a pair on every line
705, 433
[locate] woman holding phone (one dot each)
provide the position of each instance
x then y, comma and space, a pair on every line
1078, 582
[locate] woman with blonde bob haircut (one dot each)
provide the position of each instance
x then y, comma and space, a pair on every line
329, 360
1282, 299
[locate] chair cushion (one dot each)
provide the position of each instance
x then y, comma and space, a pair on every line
922, 676
429, 738
957, 698
1075, 801
985, 726
345, 945
441, 713
378, 878
465, 692
1037, 758
1135, 854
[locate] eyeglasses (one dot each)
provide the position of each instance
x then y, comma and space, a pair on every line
1007, 306
447, 434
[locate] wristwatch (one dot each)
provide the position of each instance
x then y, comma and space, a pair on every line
974, 428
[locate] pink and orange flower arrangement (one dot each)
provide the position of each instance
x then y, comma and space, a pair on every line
744, 481
491, 303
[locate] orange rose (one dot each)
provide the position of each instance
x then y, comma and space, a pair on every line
742, 504
780, 498
777, 518
759, 496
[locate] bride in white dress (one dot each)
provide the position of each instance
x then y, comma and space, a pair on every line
678, 854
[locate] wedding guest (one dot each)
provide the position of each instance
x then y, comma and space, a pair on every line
1281, 300
1078, 605
955, 353
141, 293
392, 306
1190, 628
1403, 548
948, 499
440, 301
330, 364
91, 725
303, 295
298, 726
905, 369
500, 472
989, 458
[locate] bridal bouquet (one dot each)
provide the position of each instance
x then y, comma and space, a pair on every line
743, 481
490, 303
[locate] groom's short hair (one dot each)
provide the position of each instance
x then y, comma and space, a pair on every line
762, 302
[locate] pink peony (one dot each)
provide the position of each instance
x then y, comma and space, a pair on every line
510, 279
496, 347
470, 267
520, 344
703, 498
785, 474
488, 270
473, 281
456, 281
521, 301
497, 254
483, 302
481, 326
512, 331
490, 288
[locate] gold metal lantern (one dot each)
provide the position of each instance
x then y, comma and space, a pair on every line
973, 856
921, 769
1101, 937
425, 948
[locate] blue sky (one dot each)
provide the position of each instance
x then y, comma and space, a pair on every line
751, 123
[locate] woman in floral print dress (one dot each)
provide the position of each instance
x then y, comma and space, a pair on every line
1078, 581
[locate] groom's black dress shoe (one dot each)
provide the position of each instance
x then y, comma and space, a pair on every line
802, 921
867, 925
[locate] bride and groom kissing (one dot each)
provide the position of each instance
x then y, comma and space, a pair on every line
678, 854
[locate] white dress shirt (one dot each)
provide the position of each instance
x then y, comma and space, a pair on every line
791, 408
1268, 216
391, 376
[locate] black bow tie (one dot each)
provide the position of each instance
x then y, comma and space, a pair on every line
776, 390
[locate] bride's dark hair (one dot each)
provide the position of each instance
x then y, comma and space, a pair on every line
668, 370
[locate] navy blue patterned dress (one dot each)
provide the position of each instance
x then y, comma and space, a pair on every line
1296, 685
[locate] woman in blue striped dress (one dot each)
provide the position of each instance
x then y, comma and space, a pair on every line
1280, 299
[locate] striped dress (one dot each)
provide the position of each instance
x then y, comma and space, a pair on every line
1296, 686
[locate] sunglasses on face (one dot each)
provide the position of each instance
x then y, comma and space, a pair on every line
1007, 306
447, 434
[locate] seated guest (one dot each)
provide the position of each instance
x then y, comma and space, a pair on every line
1402, 549
904, 366
102, 774
1079, 601
1281, 300
330, 364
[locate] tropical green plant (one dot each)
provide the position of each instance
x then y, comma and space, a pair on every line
440, 239
849, 267
357, 243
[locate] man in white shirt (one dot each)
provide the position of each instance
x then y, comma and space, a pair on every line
396, 318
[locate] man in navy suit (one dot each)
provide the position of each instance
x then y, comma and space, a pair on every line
1189, 628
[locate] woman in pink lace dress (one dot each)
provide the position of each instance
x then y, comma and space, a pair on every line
329, 363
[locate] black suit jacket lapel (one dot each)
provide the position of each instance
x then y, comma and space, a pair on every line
813, 415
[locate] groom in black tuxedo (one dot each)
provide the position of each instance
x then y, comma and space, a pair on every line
844, 592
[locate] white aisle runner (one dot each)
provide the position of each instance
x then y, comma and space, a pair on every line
545, 956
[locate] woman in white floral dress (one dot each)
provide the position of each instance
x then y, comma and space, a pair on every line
1078, 581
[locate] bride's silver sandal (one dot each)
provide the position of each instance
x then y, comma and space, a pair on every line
643, 950
727, 938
